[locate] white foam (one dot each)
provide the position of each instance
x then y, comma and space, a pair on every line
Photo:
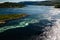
53, 33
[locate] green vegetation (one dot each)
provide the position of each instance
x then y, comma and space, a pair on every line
57, 5
11, 16
11, 5
46, 3
6, 17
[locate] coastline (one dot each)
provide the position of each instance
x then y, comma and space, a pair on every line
4, 18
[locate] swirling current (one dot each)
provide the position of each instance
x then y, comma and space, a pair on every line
43, 25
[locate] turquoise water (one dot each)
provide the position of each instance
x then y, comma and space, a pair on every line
36, 13
43, 23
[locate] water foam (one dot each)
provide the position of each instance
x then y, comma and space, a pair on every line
26, 21
52, 33
21, 24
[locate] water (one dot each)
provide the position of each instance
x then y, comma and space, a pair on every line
42, 19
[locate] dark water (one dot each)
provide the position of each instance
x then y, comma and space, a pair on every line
29, 27
29, 9
36, 13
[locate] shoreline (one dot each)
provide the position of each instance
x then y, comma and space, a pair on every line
4, 18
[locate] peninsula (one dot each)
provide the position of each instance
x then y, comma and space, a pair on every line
6, 17
11, 5
57, 5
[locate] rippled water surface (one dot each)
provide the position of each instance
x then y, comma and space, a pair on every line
41, 19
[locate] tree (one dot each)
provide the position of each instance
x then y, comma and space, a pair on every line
54, 0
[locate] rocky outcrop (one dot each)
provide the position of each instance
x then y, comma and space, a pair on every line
57, 5
8, 17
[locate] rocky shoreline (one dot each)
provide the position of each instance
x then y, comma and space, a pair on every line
11, 5
6, 18
2, 22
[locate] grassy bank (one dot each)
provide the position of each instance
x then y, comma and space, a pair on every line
11, 16
5, 17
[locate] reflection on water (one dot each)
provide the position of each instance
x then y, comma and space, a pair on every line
41, 24
37, 13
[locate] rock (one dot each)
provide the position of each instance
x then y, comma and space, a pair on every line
57, 5
2, 22
10, 19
